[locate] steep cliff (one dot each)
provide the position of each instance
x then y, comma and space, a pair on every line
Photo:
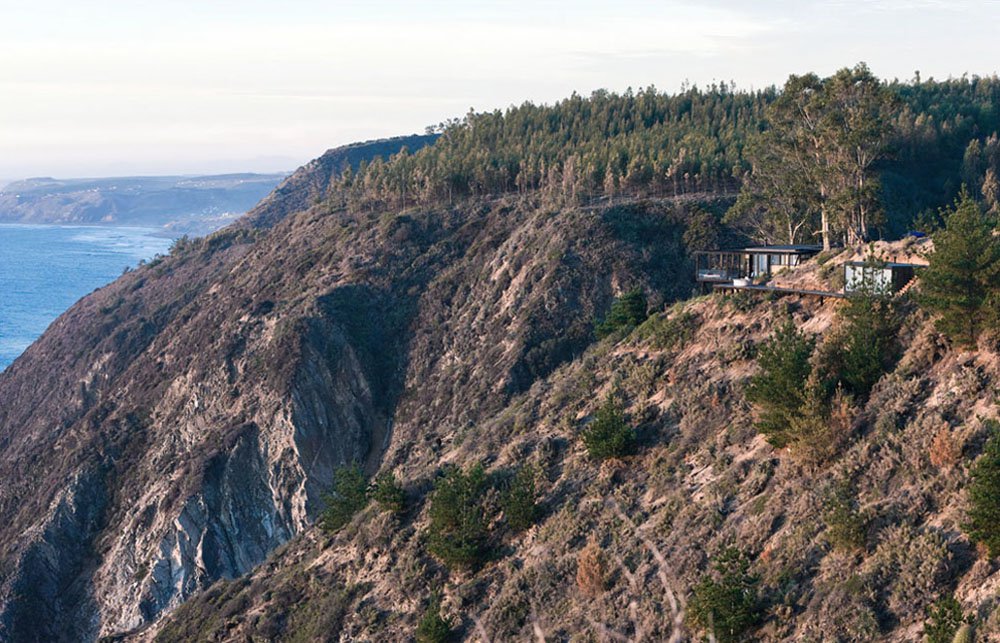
178, 425
702, 480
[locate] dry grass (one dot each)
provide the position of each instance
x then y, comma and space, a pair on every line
945, 450
591, 572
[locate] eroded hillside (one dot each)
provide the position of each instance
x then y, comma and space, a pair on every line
702, 480
176, 426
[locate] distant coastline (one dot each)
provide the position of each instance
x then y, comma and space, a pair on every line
46, 268
191, 205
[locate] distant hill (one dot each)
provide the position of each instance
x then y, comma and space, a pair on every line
192, 205
183, 204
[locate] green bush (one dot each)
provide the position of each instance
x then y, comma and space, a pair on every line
627, 312
778, 389
727, 603
388, 494
518, 500
433, 628
965, 634
609, 435
984, 495
944, 619
458, 533
667, 333
348, 496
846, 526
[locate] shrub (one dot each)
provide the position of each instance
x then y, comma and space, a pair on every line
627, 312
984, 495
964, 634
667, 333
726, 603
609, 435
945, 450
944, 619
433, 628
778, 390
348, 496
458, 533
388, 494
518, 500
846, 526
909, 567
591, 576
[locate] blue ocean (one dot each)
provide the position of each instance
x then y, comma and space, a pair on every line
45, 269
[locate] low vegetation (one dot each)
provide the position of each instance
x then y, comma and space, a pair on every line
726, 603
846, 525
944, 620
458, 533
609, 435
433, 628
627, 312
348, 496
984, 495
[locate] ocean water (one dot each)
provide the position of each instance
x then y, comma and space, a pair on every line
45, 269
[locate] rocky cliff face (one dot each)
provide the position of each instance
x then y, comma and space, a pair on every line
175, 427
702, 480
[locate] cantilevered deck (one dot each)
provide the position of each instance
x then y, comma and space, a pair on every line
782, 291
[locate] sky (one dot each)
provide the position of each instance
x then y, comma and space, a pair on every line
109, 88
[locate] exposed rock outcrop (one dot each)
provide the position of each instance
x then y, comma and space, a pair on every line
175, 427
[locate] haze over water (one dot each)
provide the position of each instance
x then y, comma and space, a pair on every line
45, 269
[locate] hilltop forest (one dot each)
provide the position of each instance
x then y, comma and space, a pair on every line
910, 145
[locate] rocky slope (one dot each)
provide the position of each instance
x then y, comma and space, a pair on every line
703, 480
178, 425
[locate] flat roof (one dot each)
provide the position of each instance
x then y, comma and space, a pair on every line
887, 264
791, 249
797, 249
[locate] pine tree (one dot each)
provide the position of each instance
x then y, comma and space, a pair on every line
609, 435
958, 283
627, 312
984, 495
868, 332
779, 389
727, 603
433, 628
458, 532
348, 496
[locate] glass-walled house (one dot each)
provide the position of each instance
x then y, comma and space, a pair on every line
754, 262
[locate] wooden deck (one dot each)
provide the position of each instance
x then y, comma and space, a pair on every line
782, 291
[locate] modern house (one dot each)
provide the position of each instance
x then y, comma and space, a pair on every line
726, 266
884, 278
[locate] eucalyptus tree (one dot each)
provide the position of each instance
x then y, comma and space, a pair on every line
813, 166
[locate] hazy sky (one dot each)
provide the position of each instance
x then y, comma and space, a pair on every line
101, 87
